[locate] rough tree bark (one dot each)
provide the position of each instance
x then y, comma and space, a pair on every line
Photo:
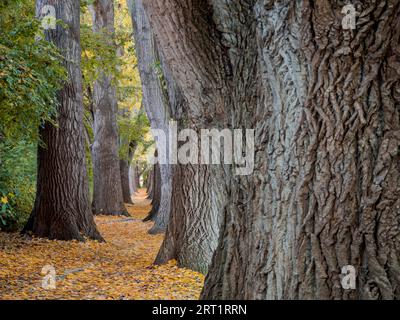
125, 173
155, 103
199, 191
132, 178
62, 208
197, 199
107, 191
192, 233
149, 185
155, 195
139, 174
324, 103
126, 191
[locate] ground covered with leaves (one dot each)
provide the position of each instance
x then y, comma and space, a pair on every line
120, 268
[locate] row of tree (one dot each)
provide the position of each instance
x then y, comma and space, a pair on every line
324, 104
62, 207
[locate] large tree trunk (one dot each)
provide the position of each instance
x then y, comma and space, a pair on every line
107, 193
324, 103
155, 103
197, 200
62, 208
199, 192
192, 233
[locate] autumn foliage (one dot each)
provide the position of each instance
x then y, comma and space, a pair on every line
120, 268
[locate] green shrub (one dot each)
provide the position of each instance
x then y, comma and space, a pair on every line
17, 183
31, 73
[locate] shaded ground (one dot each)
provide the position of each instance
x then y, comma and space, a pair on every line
121, 268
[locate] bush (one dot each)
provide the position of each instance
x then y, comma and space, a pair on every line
17, 183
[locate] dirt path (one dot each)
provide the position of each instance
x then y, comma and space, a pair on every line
121, 268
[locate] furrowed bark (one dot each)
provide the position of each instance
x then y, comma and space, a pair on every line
150, 188
62, 208
199, 191
324, 105
155, 104
320, 208
192, 233
126, 192
125, 167
107, 193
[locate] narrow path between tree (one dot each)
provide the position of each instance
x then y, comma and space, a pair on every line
121, 268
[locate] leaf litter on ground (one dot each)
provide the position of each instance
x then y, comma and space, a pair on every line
120, 268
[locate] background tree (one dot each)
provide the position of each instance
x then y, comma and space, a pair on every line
154, 191
156, 104
134, 131
192, 232
124, 169
121, 63
107, 191
62, 209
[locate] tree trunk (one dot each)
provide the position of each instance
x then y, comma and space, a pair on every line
125, 167
150, 188
192, 233
138, 175
146, 175
62, 208
322, 100
197, 200
155, 103
126, 191
196, 210
107, 194
132, 178
156, 194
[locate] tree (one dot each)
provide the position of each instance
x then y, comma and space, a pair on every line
62, 209
198, 191
107, 191
154, 193
124, 167
150, 184
198, 195
133, 131
155, 103
192, 233
133, 187
31, 74
322, 100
